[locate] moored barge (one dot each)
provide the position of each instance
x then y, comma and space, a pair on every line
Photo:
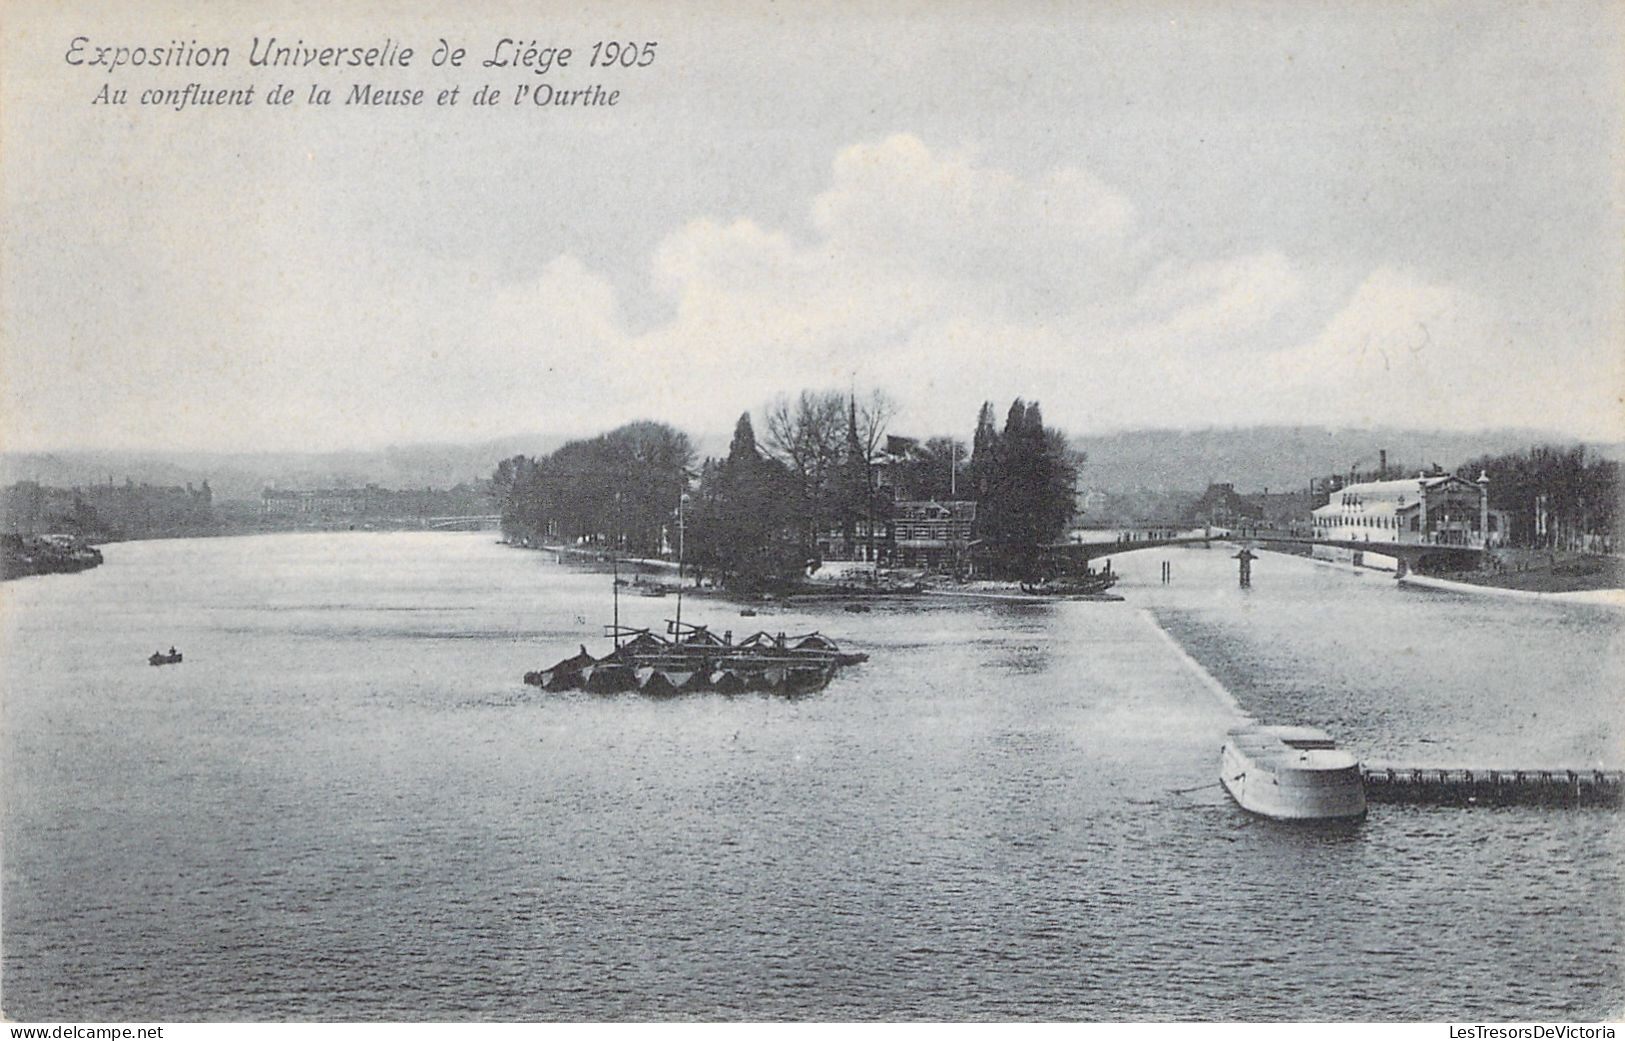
1291, 773
693, 658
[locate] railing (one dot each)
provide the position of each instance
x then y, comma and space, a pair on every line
1444, 540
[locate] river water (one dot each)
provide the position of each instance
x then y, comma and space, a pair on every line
345, 805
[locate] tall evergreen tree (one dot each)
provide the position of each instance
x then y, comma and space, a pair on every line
745, 524
984, 460
857, 500
742, 448
1025, 485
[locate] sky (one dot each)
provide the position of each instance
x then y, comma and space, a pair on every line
1141, 214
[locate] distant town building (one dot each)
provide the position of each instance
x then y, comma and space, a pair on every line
315, 505
1323, 488
1137, 507
110, 510
1288, 512
318, 502
1443, 510
1221, 507
1090, 504
23, 508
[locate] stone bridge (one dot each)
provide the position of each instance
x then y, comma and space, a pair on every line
1412, 556
474, 523
1117, 541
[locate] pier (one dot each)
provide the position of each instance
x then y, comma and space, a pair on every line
1438, 786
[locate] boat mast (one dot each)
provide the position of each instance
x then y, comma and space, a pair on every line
615, 573
680, 500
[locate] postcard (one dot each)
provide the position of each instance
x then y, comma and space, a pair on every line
872, 511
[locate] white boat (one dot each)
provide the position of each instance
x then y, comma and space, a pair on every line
1291, 773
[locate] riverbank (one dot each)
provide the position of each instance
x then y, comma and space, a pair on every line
24, 555
890, 586
1535, 572
1584, 580
1607, 597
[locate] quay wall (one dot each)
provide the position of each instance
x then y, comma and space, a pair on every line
1602, 597
1209, 682
1344, 564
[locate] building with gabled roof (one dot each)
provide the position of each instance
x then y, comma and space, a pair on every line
1440, 510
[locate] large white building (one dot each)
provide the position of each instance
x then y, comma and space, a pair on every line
1441, 510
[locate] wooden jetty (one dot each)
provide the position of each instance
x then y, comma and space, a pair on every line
1442, 786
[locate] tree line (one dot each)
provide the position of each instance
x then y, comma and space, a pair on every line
1554, 496
616, 491
754, 518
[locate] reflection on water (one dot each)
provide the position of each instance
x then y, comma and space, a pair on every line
344, 804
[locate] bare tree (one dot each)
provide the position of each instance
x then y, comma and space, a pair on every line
875, 413
807, 434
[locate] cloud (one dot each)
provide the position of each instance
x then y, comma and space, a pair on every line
949, 281
1403, 348
897, 198
940, 276
1214, 298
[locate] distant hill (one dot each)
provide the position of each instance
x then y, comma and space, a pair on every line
242, 475
1252, 458
1283, 459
